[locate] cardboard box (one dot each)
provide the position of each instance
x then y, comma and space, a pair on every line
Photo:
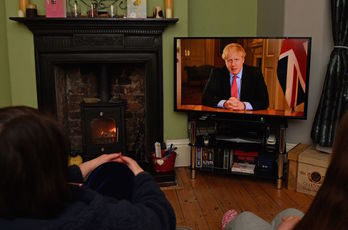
293, 165
312, 166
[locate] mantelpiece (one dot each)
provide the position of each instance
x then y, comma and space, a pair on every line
42, 25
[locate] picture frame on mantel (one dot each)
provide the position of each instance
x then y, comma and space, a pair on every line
55, 8
136, 8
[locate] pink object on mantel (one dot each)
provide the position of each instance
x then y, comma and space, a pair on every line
55, 8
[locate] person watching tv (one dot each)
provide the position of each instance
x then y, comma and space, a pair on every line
236, 86
39, 191
329, 209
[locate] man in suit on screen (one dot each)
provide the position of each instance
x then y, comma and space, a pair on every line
236, 86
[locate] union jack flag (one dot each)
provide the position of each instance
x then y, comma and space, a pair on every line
292, 69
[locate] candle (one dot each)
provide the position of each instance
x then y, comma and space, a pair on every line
23, 5
168, 5
75, 10
112, 11
169, 13
93, 11
20, 13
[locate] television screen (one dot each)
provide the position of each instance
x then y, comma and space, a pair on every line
243, 75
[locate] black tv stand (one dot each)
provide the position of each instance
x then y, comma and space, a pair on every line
244, 145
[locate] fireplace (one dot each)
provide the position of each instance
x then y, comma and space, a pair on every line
128, 45
115, 90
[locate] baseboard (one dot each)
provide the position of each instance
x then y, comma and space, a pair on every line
183, 151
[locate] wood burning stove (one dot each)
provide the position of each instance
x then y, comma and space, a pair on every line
103, 127
103, 122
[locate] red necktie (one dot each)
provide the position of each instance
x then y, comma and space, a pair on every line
234, 88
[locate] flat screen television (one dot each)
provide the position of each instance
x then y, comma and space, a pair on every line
282, 64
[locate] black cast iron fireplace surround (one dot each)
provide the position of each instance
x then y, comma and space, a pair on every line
101, 40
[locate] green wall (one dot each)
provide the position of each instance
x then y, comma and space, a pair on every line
196, 18
270, 18
175, 124
21, 59
5, 86
222, 17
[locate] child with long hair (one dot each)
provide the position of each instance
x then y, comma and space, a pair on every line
329, 209
39, 191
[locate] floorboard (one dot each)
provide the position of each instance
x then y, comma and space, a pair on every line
201, 203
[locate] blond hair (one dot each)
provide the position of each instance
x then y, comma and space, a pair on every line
232, 47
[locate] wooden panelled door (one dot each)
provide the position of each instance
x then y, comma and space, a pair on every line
264, 53
271, 49
196, 52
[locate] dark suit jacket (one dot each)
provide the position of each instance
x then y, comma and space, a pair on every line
253, 88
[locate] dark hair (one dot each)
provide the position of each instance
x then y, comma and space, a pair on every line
33, 164
329, 209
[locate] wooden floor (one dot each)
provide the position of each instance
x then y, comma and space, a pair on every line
201, 203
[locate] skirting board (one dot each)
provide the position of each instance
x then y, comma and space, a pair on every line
183, 151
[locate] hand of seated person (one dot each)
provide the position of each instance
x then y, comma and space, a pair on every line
234, 104
88, 166
288, 222
132, 164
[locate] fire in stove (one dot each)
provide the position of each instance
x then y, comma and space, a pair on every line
103, 131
